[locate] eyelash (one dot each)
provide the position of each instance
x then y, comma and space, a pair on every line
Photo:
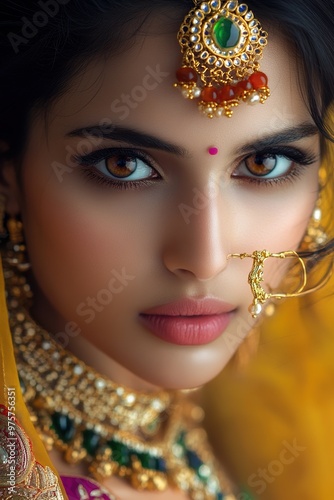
92, 159
299, 158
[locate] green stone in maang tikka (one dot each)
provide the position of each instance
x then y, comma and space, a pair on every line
226, 33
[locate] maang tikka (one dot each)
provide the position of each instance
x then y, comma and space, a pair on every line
222, 45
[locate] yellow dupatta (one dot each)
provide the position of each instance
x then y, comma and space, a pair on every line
25, 468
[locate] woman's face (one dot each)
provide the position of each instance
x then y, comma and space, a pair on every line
104, 249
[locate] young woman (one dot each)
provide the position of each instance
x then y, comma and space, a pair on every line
133, 217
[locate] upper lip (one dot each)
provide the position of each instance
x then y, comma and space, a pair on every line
192, 307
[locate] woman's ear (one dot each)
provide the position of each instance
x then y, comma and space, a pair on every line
9, 185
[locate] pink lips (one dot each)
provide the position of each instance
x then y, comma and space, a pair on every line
189, 321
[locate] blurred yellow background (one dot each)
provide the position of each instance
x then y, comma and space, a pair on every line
272, 423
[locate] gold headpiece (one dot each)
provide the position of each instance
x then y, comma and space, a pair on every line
222, 45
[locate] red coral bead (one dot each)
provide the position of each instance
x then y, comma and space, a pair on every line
209, 94
258, 80
186, 75
241, 87
226, 93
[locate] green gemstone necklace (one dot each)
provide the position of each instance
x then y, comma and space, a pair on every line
153, 440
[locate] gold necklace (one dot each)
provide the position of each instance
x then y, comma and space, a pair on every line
152, 440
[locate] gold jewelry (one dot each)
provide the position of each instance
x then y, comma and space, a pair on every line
32, 480
3, 232
255, 278
16, 255
222, 45
153, 440
316, 235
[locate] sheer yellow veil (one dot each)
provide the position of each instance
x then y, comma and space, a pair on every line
25, 468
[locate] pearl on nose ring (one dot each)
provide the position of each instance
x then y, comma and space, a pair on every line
213, 151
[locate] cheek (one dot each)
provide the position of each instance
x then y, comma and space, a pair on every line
77, 236
276, 219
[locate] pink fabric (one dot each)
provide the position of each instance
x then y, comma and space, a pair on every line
81, 488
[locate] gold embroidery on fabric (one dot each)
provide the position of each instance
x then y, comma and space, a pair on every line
21, 477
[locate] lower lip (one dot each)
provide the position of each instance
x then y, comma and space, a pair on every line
187, 330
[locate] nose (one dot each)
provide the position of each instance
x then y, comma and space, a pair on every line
197, 237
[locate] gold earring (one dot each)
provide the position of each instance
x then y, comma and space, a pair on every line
255, 278
316, 235
3, 232
17, 248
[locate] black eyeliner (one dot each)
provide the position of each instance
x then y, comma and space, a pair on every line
292, 153
104, 154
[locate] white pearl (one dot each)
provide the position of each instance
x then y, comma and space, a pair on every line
130, 399
78, 370
157, 405
254, 99
317, 214
255, 310
100, 384
197, 92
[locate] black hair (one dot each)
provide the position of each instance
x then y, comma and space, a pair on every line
46, 42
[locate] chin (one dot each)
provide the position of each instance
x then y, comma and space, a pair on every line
180, 376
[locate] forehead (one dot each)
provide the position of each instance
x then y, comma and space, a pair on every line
135, 89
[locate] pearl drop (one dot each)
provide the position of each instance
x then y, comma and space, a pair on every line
254, 99
317, 214
255, 310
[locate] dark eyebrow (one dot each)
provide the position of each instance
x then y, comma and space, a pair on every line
129, 136
285, 136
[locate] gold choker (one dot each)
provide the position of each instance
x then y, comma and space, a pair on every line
152, 440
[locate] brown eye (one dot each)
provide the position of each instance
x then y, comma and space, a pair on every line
121, 166
261, 165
